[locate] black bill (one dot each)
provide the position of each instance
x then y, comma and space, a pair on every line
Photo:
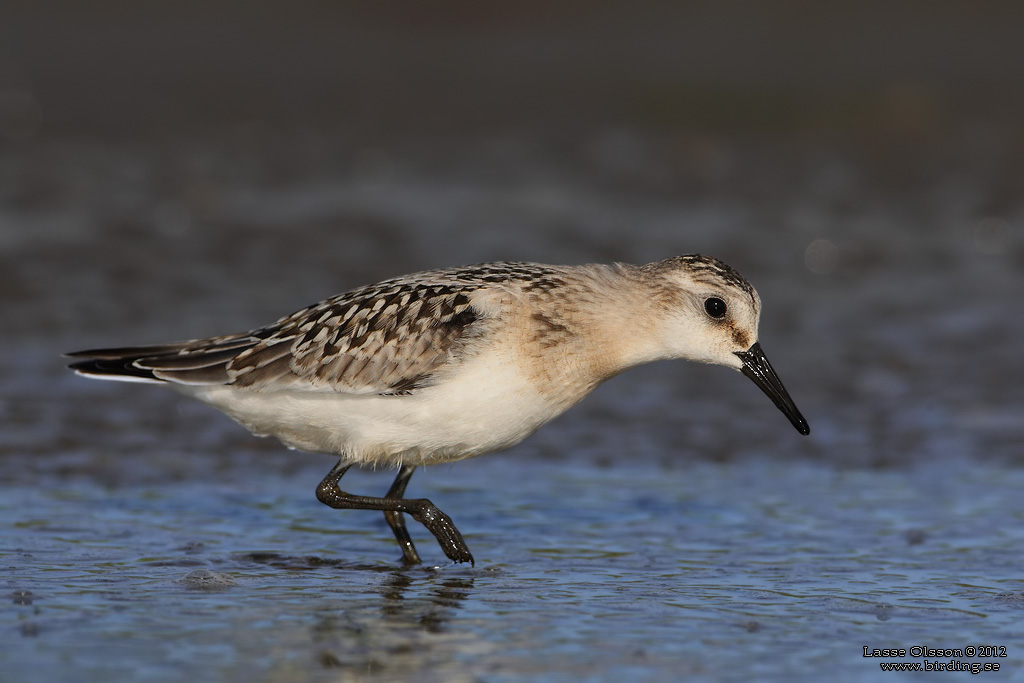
757, 368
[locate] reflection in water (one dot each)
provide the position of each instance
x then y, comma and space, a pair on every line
432, 610
374, 618
406, 633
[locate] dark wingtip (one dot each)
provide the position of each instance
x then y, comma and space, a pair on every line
121, 352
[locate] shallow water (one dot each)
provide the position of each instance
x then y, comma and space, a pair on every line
672, 526
713, 570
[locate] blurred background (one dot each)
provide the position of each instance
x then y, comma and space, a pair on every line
177, 170
185, 169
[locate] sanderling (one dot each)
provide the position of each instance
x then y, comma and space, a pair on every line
449, 364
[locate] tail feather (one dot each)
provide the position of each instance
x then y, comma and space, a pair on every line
115, 369
192, 362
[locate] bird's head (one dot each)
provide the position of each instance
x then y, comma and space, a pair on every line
709, 313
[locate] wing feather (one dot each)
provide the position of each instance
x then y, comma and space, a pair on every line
376, 340
390, 338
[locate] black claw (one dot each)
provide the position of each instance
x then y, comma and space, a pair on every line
445, 531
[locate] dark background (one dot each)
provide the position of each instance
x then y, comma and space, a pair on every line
171, 171
148, 69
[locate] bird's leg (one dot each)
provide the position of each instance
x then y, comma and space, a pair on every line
395, 519
421, 509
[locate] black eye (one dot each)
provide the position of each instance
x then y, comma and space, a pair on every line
714, 306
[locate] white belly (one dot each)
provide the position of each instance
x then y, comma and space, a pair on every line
487, 405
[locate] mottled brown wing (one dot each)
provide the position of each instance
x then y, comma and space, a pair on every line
387, 339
